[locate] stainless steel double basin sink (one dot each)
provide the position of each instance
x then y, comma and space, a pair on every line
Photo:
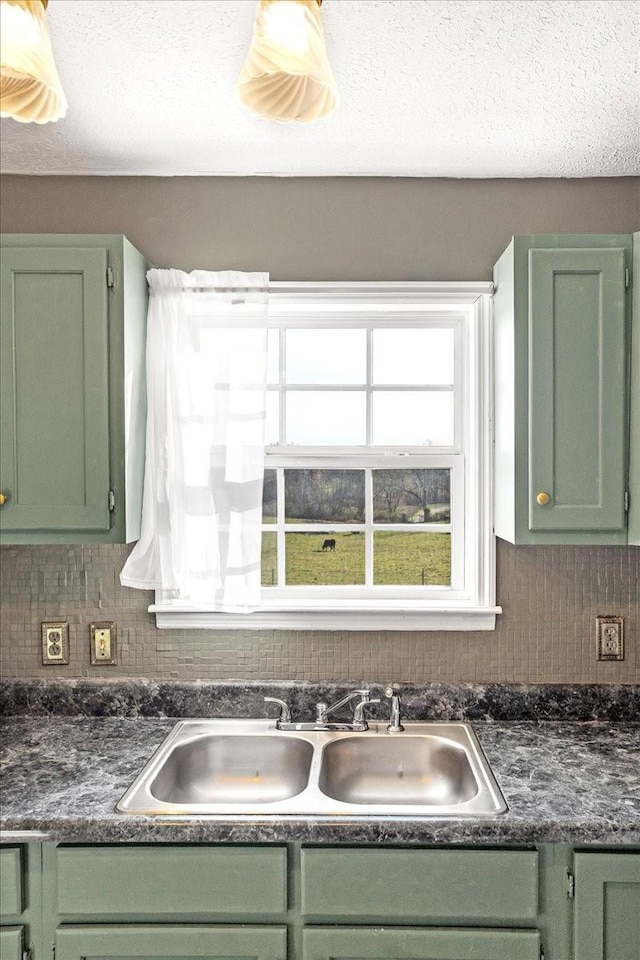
248, 767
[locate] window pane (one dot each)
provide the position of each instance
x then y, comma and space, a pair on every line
326, 356
412, 558
273, 356
326, 418
269, 496
413, 356
325, 558
412, 496
324, 496
413, 419
272, 429
269, 560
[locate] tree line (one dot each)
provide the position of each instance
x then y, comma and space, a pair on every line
338, 496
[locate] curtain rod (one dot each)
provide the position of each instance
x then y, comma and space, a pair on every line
363, 289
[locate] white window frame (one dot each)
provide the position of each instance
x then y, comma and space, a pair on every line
472, 607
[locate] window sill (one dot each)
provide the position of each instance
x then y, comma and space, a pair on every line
329, 618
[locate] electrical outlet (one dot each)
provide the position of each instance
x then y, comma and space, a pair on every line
55, 643
610, 638
103, 643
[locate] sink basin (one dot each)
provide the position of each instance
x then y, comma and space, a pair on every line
240, 769
397, 770
230, 768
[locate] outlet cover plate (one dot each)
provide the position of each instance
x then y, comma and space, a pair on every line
55, 642
610, 638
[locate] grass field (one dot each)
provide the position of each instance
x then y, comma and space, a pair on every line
412, 558
399, 558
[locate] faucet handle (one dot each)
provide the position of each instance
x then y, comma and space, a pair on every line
285, 712
358, 713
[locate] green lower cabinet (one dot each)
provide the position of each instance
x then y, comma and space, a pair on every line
199, 883
11, 943
489, 888
335, 943
11, 881
299, 901
607, 906
168, 942
13, 917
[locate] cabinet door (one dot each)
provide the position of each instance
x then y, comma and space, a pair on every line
577, 389
489, 888
11, 943
181, 884
336, 943
11, 899
55, 403
607, 912
634, 436
171, 942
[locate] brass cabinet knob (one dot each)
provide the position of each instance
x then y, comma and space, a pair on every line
543, 499
3, 499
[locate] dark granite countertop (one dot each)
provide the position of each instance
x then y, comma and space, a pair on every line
574, 781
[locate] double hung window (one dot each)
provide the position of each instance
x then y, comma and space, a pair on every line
377, 485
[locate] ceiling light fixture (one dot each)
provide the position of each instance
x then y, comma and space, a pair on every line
287, 75
30, 88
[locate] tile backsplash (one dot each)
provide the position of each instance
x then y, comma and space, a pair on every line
546, 634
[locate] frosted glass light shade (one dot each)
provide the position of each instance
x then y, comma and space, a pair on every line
287, 75
30, 88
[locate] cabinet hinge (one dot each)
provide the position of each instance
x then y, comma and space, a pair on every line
110, 279
542, 953
626, 501
27, 954
112, 501
627, 279
571, 885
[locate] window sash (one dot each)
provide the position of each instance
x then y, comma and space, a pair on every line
425, 319
456, 527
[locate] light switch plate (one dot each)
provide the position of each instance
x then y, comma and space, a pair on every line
103, 644
55, 642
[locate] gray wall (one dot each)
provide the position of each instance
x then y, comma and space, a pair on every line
341, 228
327, 229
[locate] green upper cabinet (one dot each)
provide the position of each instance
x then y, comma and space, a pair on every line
634, 445
562, 346
73, 312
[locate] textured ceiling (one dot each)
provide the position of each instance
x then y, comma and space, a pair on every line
434, 88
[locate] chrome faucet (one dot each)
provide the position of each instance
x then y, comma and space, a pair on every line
324, 711
285, 712
359, 723
395, 725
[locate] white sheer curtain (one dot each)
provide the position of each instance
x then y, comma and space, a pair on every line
206, 391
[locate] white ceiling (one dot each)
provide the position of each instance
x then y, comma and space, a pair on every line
429, 88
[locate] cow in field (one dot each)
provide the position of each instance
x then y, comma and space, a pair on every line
329, 545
